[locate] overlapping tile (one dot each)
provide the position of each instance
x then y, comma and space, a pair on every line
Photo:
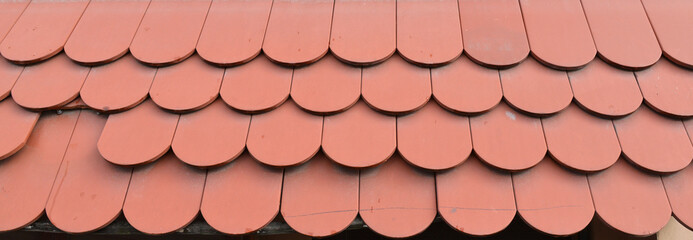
187, 86
16, 124
465, 87
117, 86
49, 85
534, 89
604, 90
11, 10
363, 32
8, 76
326, 87
396, 87
669, 21
428, 32
257, 86
667, 88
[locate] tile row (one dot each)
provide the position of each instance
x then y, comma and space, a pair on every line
564, 34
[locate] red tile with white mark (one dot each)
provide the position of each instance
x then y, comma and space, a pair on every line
41, 30
581, 141
558, 33
326, 87
49, 85
256, 86
548, 192
622, 33
89, 192
27, 177
9, 13
169, 31
667, 88
680, 192
465, 87
535, 89
105, 31
670, 21
493, 32
397, 200
242, 196
117, 86
364, 32
475, 199
16, 124
164, 196
138, 136
320, 198
395, 86
605, 90
630, 200
298, 32
359, 137
8, 76
654, 142
507, 139
187, 86
284, 137
233, 31
429, 32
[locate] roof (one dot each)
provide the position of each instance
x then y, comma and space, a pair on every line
318, 111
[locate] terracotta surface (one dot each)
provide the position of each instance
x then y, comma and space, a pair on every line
656, 143
580, 141
169, 31
363, 32
320, 197
669, 21
547, 192
622, 33
679, 190
284, 137
117, 86
326, 87
629, 200
475, 199
493, 32
535, 89
396, 87
137, 136
429, 32
187, 86
604, 90
257, 86
27, 177
359, 137
15, 127
105, 30
8, 76
41, 31
49, 85
465, 87
433, 138
396, 200
164, 196
242, 196
9, 13
667, 88
89, 192
507, 139
298, 32
233, 31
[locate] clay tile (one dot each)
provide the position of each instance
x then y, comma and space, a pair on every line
105, 31
16, 125
507, 139
8, 76
298, 32
670, 21
680, 192
558, 33
632, 47
493, 32
605, 90
535, 89
90, 194
9, 13
233, 31
50, 84
164, 196
667, 88
363, 31
187, 86
326, 87
137, 136
475, 199
359, 137
320, 198
117, 86
466, 87
397, 200
395, 86
27, 177
654, 142
212, 136
429, 32
256, 86
433, 138
581, 141
41, 31
630, 200
284, 137
169, 31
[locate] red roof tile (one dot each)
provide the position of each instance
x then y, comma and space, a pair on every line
604, 90
49, 85
363, 32
669, 21
15, 125
428, 32
187, 86
532, 88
